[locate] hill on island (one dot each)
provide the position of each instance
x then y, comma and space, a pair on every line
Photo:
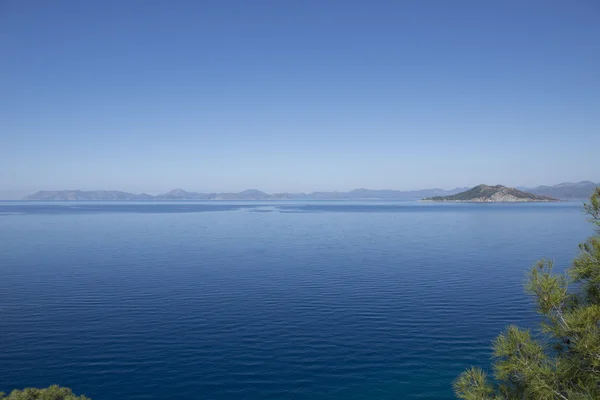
491, 194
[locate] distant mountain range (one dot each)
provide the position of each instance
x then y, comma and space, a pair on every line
493, 194
250, 194
565, 191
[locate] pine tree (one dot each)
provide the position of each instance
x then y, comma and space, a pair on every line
53, 392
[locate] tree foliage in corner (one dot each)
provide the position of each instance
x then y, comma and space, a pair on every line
564, 362
52, 393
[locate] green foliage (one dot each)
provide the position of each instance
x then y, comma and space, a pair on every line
563, 361
54, 392
593, 207
473, 385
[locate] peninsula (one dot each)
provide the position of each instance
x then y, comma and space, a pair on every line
492, 194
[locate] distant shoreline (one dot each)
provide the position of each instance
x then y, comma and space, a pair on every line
563, 191
498, 201
415, 200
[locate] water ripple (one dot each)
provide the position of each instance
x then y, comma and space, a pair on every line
297, 301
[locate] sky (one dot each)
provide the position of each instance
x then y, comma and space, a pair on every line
148, 96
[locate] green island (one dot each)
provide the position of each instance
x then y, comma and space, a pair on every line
492, 194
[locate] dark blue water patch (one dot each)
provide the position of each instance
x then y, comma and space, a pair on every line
94, 208
411, 207
31, 208
323, 305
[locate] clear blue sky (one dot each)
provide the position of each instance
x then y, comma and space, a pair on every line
297, 95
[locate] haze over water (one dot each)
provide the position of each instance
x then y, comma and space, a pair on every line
290, 300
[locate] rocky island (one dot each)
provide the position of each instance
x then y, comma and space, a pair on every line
492, 194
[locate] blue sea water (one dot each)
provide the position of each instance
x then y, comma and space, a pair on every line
280, 300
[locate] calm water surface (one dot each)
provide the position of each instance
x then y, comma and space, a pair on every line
265, 300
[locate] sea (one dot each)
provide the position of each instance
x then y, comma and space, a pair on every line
267, 300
